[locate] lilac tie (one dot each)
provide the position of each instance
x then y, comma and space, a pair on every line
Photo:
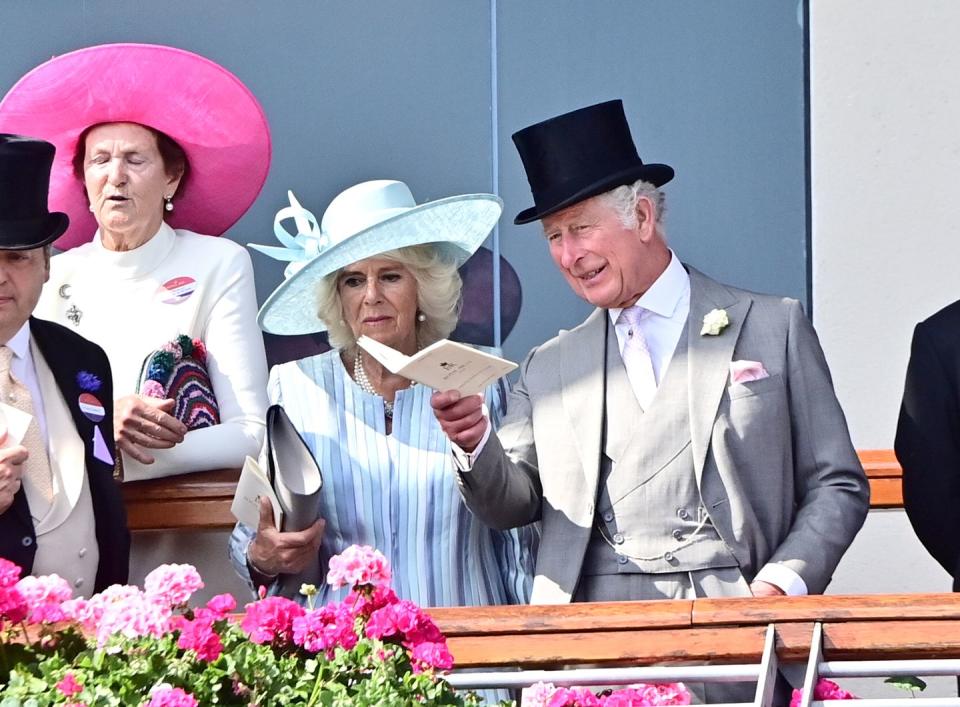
636, 357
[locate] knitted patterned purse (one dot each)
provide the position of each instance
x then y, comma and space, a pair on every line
178, 370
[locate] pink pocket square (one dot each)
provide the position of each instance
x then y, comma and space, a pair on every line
746, 371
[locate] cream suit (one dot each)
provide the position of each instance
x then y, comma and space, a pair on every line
773, 460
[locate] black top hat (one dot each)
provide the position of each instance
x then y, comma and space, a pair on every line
578, 155
25, 220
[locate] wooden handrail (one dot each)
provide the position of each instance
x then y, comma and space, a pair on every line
202, 500
199, 501
716, 630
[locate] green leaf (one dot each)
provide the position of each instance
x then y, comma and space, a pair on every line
907, 682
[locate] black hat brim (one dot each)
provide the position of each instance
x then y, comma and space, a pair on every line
29, 233
656, 174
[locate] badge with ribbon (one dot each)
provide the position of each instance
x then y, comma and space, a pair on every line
93, 410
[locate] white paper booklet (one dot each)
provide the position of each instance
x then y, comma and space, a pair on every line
15, 421
444, 365
252, 485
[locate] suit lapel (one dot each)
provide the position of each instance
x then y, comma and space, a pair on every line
581, 376
709, 357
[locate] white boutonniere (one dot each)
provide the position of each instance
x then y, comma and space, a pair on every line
714, 321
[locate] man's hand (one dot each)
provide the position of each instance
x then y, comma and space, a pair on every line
765, 589
461, 419
140, 422
11, 471
273, 552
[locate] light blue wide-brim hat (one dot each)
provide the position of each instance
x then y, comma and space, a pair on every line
363, 221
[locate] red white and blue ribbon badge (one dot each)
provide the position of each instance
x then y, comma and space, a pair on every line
91, 407
176, 290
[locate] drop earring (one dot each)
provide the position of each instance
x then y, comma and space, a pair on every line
168, 203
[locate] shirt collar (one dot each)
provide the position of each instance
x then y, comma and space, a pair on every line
20, 342
665, 294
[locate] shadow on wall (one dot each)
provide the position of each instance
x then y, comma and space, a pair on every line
476, 316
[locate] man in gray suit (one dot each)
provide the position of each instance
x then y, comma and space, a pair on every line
683, 441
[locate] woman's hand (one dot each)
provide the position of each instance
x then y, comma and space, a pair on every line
140, 422
273, 552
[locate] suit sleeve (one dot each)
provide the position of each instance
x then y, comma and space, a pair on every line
503, 488
928, 447
831, 490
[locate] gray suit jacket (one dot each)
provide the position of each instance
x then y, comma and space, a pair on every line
773, 458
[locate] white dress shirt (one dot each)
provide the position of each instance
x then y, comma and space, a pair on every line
668, 302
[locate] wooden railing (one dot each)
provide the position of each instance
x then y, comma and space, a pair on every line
869, 627
202, 500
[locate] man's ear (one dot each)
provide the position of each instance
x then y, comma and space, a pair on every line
646, 214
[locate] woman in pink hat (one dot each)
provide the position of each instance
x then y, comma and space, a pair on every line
156, 146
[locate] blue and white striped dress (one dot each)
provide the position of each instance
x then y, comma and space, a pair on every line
396, 492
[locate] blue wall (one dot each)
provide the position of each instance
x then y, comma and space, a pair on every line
429, 91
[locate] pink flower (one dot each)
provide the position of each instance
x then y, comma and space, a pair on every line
153, 389
166, 696
358, 565
365, 603
44, 595
271, 620
644, 695
326, 629
431, 655
823, 690
13, 608
222, 604
200, 637
69, 686
172, 585
9, 573
123, 610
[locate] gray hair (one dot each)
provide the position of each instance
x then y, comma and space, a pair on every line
438, 296
623, 200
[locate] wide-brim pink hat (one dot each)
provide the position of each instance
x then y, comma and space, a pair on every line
198, 103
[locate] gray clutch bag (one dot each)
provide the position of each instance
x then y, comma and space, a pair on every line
297, 481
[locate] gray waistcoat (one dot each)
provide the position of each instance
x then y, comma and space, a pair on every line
650, 517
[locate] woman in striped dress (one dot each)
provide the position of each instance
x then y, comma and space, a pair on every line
387, 269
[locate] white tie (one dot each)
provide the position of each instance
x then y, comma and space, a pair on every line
636, 357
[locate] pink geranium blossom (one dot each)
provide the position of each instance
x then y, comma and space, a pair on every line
166, 696
326, 629
271, 620
44, 595
358, 565
823, 690
69, 686
222, 604
431, 655
172, 585
9, 573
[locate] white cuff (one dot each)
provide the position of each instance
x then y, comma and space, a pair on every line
783, 577
464, 460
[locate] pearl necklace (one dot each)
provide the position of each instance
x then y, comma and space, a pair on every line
360, 376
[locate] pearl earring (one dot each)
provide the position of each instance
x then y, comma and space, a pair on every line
168, 203
421, 317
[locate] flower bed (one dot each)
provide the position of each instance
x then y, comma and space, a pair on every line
127, 646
